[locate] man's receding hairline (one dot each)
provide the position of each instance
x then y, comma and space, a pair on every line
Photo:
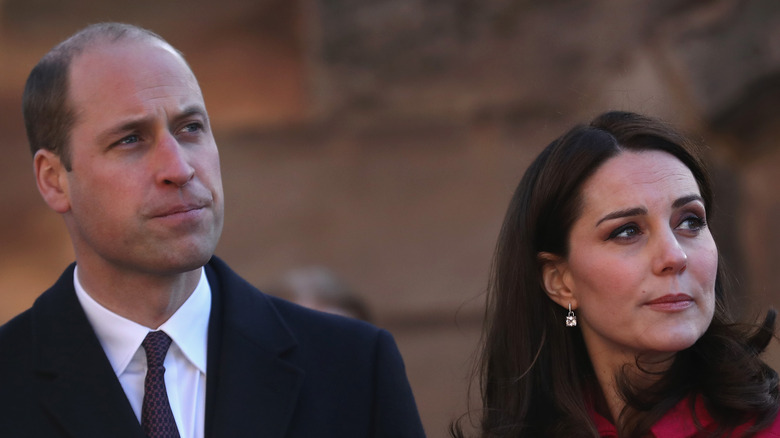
105, 34
102, 41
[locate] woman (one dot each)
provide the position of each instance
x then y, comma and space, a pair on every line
606, 310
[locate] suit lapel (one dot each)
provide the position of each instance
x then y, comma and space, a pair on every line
251, 387
75, 380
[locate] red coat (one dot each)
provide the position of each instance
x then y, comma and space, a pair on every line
679, 423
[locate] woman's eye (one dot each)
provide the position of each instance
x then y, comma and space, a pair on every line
693, 223
625, 232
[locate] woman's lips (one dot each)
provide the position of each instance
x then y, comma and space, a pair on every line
671, 303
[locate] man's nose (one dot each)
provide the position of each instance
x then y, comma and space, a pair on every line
172, 162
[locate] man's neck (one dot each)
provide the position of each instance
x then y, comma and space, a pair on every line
146, 299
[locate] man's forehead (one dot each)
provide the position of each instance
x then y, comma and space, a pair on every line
107, 66
115, 83
104, 50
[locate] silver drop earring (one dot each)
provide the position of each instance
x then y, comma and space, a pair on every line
571, 319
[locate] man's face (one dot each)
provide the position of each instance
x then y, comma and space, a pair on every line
145, 190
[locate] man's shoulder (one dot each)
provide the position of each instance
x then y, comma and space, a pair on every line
20, 327
237, 288
341, 358
16, 355
15, 333
22, 336
309, 327
324, 324
51, 301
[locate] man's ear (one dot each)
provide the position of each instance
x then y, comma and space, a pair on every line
554, 279
52, 180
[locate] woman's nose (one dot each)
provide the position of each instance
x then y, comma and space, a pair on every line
670, 257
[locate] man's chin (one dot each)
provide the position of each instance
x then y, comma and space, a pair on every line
182, 259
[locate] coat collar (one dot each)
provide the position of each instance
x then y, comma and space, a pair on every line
74, 377
251, 385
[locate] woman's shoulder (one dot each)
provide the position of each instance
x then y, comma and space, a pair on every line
688, 419
684, 422
773, 430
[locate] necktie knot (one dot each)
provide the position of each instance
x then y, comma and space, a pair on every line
156, 346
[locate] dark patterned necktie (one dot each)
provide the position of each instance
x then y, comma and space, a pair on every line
156, 415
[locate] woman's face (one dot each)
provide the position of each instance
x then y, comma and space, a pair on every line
642, 262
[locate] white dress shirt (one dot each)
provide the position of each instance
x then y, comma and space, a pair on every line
185, 363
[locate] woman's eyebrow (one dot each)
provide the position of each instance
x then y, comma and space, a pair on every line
687, 199
635, 211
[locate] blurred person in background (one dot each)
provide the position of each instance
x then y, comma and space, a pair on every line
607, 311
319, 288
148, 334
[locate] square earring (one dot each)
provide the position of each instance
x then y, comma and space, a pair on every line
571, 319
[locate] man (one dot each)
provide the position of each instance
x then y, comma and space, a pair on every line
123, 150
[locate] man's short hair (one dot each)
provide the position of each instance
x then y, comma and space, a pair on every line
48, 114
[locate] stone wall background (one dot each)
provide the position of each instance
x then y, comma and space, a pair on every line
383, 138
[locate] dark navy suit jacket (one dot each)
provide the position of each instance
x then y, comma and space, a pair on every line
274, 370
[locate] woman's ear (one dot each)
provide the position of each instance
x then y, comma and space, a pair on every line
52, 180
554, 279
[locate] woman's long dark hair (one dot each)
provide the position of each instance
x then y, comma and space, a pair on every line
535, 373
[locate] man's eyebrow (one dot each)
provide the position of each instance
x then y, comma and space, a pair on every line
198, 111
192, 110
122, 127
635, 211
134, 124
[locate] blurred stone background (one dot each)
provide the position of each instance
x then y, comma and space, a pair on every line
383, 138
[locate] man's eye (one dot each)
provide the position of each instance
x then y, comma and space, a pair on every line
193, 127
130, 139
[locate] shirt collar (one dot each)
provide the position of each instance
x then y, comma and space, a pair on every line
189, 326
121, 337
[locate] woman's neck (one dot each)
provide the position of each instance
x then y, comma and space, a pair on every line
640, 373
